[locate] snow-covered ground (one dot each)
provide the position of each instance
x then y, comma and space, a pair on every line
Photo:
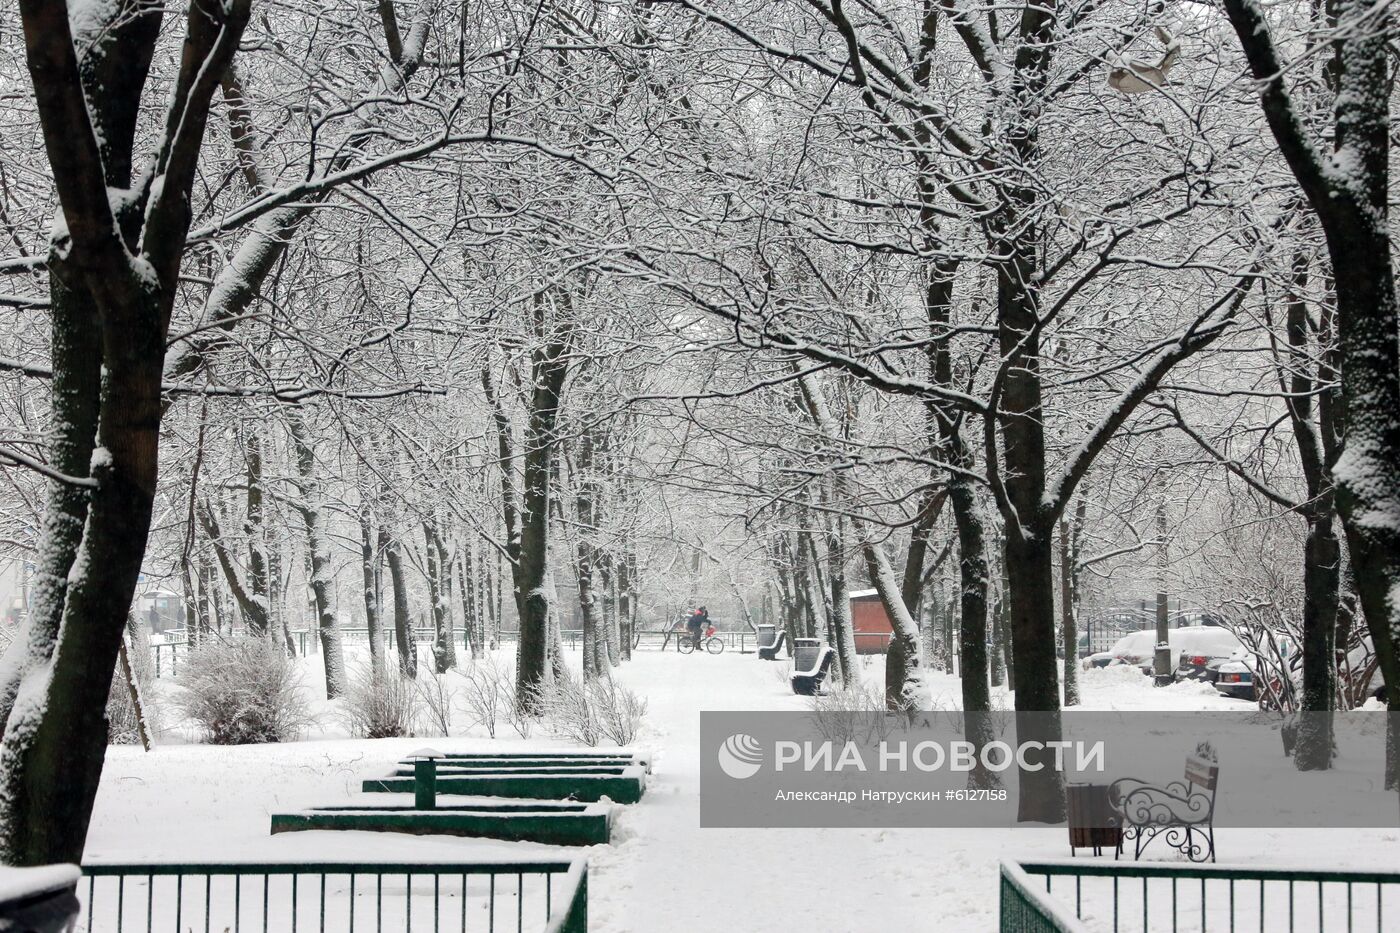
662, 872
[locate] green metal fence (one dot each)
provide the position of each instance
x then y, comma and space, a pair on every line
340, 897
1081, 895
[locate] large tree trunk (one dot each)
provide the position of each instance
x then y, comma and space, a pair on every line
842, 624
533, 590
77, 363
254, 530
471, 591
369, 562
56, 736
531, 569
1069, 633
127, 262
973, 578
612, 629
972, 610
1029, 546
626, 600
1317, 442
403, 624
899, 693
810, 597
319, 558
1350, 193
1031, 607
585, 557
439, 591
1314, 749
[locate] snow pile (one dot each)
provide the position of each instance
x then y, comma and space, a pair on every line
19, 883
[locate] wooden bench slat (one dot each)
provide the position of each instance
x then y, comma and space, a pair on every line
1202, 772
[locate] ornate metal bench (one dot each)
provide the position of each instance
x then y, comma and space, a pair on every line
1182, 812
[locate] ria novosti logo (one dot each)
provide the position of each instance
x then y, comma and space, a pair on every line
740, 756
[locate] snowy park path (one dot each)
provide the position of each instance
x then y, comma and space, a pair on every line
189, 802
665, 873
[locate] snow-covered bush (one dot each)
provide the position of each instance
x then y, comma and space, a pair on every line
854, 714
782, 672
243, 691
487, 693
521, 720
380, 705
589, 712
618, 710
436, 697
569, 714
521, 716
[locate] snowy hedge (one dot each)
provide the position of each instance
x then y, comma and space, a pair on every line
244, 691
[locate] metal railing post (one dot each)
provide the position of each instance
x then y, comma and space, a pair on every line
425, 784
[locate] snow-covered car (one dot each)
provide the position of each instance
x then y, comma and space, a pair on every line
1234, 678
1136, 649
1200, 649
1193, 647
1239, 675
1097, 659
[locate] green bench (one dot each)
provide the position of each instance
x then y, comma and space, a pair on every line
551, 822
623, 784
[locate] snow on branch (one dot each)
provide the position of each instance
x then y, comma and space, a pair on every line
29, 463
1210, 324
296, 393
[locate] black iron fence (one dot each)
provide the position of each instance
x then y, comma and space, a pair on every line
661, 639
1081, 895
172, 651
341, 897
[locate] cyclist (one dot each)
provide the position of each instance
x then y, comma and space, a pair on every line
697, 624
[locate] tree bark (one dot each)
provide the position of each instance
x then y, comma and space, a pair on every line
585, 504
319, 558
1068, 608
403, 624
444, 641
549, 366
254, 529
841, 621
626, 600
369, 561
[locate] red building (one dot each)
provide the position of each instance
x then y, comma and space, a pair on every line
872, 624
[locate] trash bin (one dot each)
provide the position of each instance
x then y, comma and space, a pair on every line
1092, 822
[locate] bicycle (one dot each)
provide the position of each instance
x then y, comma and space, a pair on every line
712, 642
